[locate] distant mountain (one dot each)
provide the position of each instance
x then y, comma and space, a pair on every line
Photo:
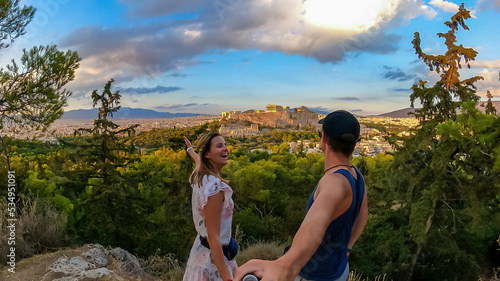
124, 113
402, 113
319, 111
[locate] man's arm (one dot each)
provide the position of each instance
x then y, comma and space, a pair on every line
330, 203
360, 223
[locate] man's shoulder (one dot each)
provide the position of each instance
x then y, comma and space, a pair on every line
334, 184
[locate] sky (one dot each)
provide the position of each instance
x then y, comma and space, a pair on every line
211, 56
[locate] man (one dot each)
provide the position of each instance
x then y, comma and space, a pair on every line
337, 213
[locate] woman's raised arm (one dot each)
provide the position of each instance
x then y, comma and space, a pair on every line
191, 152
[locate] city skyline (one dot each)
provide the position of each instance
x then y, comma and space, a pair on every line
209, 57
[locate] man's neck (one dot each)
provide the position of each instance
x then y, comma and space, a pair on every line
335, 158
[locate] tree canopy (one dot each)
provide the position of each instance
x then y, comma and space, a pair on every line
13, 20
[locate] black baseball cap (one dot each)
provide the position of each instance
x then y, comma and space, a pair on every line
342, 126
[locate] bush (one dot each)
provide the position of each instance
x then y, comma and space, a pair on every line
164, 268
39, 227
262, 251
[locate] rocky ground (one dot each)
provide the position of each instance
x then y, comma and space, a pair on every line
88, 262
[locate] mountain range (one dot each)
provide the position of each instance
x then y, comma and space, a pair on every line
135, 113
124, 113
403, 113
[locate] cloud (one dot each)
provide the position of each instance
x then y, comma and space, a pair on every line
142, 90
181, 107
154, 8
490, 83
446, 6
397, 74
176, 75
319, 108
347, 98
484, 5
400, 90
153, 49
486, 64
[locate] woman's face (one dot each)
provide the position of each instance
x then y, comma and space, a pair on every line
218, 154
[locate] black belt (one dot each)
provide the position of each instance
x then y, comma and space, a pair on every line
230, 250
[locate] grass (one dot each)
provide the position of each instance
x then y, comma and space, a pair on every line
39, 228
168, 268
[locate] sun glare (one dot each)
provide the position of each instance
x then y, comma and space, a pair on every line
344, 14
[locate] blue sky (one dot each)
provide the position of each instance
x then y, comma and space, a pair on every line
209, 56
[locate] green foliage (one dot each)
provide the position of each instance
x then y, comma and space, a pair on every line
168, 138
272, 193
440, 102
32, 95
261, 250
490, 109
434, 203
13, 20
104, 152
39, 227
389, 129
445, 178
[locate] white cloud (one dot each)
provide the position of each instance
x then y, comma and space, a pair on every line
484, 5
446, 6
490, 83
486, 64
267, 25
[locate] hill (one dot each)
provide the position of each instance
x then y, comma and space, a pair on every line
402, 113
124, 113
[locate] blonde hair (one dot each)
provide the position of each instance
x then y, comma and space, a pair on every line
206, 168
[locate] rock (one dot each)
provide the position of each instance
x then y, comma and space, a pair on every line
89, 262
97, 255
127, 261
75, 268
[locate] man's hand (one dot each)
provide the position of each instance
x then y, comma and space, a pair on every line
265, 271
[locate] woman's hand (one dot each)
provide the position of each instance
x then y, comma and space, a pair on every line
188, 143
190, 151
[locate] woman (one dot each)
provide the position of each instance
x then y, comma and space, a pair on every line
212, 255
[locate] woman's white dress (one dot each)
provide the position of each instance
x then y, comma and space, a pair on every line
200, 266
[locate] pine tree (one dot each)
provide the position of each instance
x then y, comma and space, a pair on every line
445, 170
490, 109
31, 94
442, 101
108, 204
13, 20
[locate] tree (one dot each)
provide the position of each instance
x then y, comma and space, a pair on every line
32, 95
443, 177
441, 102
104, 150
13, 20
490, 109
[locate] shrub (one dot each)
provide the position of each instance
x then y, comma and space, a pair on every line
39, 227
260, 250
163, 267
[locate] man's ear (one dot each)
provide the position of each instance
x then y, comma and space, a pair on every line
324, 139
